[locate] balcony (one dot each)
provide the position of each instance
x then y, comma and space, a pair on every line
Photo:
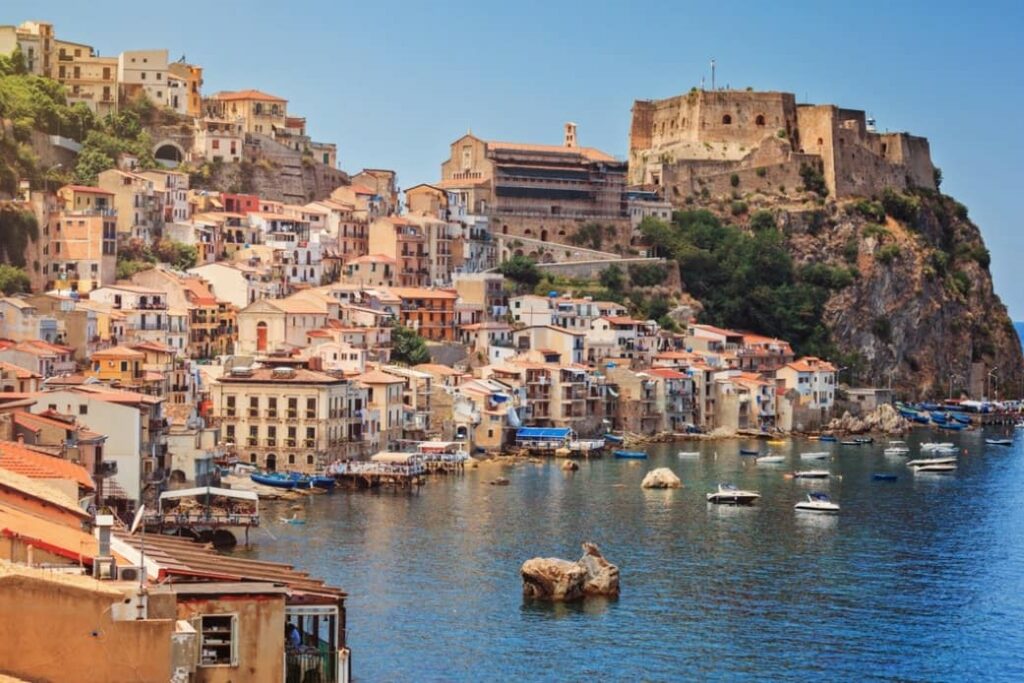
252, 441
290, 443
271, 415
310, 414
271, 443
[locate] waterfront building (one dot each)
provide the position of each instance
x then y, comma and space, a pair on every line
384, 398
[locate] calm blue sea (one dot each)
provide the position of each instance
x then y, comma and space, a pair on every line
921, 579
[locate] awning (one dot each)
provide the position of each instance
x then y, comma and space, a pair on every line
541, 433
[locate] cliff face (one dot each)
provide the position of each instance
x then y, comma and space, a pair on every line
921, 307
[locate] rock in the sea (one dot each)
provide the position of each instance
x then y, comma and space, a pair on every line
500, 481
661, 478
557, 580
884, 419
570, 466
602, 575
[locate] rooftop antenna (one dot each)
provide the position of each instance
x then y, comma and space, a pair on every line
712, 73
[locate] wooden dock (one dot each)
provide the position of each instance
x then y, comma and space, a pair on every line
371, 475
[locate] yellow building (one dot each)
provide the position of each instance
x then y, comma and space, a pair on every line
82, 250
288, 418
120, 365
87, 77
260, 113
192, 75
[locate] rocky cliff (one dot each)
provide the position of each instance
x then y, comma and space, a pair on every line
919, 307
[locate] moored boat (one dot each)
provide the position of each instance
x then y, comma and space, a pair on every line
811, 474
613, 438
863, 440
952, 426
770, 459
999, 442
828, 437
925, 462
850, 442
884, 476
815, 455
749, 451
937, 446
730, 495
630, 455
688, 454
818, 502
896, 448
323, 482
937, 468
275, 480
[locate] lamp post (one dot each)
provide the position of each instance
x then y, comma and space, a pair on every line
991, 372
46, 175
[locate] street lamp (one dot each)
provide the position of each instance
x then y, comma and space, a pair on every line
990, 373
46, 175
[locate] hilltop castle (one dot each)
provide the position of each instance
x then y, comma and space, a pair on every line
712, 139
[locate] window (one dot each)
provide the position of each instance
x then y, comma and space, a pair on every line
759, 120
124, 366
218, 640
291, 458
83, 409
309, 459
310, 408
726, 120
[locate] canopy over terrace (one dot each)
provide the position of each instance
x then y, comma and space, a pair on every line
544, 437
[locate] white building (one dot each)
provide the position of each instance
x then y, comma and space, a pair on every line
144, 71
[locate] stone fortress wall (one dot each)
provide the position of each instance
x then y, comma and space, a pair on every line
697, 141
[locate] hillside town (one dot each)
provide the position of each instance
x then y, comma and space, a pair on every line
173, 331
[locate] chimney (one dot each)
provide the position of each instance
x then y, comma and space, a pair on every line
570, 135
103, 526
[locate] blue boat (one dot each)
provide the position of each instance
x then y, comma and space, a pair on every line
884, 476
323, 482
301, 480
921, 419
275, 480
940, 418
961, 418
952, 426
749, 451
828, 437
630, 455
613, 438
930, 406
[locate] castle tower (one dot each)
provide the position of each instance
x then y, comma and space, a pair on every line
570, 135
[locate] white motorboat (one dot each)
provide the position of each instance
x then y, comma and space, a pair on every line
925, 462
1019, 425
818, 502
688, 454
730, 495
999, 442
938, 446
897, 448
938, 468
811, 474
770, 459
815, 455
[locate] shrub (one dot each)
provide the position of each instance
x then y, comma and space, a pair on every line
824, 275
939, 260
734, 180
960, 282
873, 211
738, 208
762, 220
813, 179
761, 172
611, 278
937, 176
876, 230
888, 253
902, 207
521, 269
851, 250
647, 275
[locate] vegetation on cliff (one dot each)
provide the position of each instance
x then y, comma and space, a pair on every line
408, 347
136, 256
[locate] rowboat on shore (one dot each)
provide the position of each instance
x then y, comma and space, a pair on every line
630, 455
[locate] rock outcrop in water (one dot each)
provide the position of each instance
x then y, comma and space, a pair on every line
884, 419
558, 580
661, 478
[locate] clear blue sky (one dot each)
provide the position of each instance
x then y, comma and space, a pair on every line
393, 83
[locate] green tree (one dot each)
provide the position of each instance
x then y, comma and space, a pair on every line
408, 347
647, 274
813, 179
522, 270
13, 280
17, 228
611, 278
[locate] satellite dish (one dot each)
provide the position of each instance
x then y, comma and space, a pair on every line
138, 519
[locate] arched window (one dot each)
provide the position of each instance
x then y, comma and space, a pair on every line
261, 336
309, 459
726, 120
252, 458
291, 458
759, 120
271, 464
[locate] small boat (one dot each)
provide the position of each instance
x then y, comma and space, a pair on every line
921, 419
730, 495
630, 455
937, 445
294, 519
811, 474
961, 418
938, 468
1019, 425
930, 406
301, 480
939, 418
770, 459
925, 462
749, 451
897, 448
688, 454
999, 442
815, 455
275, 480
864, 440
613, 438
776, 442
850, 443
827, 437
952, 426
884, 476
817, 502
323, 482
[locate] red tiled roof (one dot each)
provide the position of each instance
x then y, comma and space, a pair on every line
16, 458
246, 95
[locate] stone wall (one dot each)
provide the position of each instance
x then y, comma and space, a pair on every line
593, 269
547, 252
558, 230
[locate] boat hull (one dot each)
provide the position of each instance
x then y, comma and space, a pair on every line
630, 455
276, 482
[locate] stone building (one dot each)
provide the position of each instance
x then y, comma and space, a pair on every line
545, 192
722, 140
